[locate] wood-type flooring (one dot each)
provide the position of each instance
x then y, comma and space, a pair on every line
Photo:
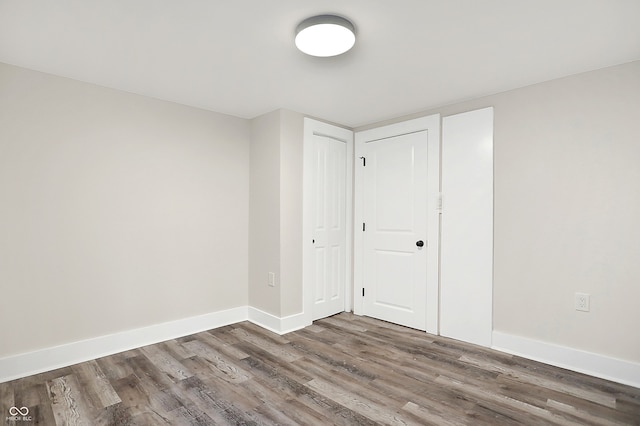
342, 370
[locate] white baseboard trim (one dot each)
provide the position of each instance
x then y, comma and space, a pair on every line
47, 359
294, 322
276, 324
26, 364
590, 363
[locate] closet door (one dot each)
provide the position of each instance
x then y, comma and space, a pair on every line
327, 218
395, 235
396, 263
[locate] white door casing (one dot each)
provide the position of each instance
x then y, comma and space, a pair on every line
327, 221
396, 196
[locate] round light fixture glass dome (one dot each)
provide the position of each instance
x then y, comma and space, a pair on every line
325, 35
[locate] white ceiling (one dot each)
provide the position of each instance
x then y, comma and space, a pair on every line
237, 56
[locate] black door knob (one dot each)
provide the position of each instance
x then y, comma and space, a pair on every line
420, 243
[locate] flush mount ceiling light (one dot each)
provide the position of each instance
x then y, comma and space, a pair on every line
325, 35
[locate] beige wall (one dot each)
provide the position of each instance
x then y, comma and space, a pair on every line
291, 161
567, 209
264, 213
275, 225
116, 211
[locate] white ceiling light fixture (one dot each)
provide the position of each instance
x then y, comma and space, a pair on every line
325, 35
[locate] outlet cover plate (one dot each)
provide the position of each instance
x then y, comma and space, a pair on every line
582, 302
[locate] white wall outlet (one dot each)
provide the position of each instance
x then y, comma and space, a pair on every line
582, 302
272, 279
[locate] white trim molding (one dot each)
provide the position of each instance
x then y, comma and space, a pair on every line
47, 359
593, 364
276, 324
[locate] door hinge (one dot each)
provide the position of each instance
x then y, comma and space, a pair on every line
364, 226
439, 202
364, 161
362, 291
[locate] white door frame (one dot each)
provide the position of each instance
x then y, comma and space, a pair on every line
317, 128
432, 125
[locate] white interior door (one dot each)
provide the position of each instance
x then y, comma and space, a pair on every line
328, 228
397, 266
395, 276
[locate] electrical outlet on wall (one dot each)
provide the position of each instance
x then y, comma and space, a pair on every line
272, 279
582, 302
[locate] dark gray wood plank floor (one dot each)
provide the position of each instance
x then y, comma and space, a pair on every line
343, 370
